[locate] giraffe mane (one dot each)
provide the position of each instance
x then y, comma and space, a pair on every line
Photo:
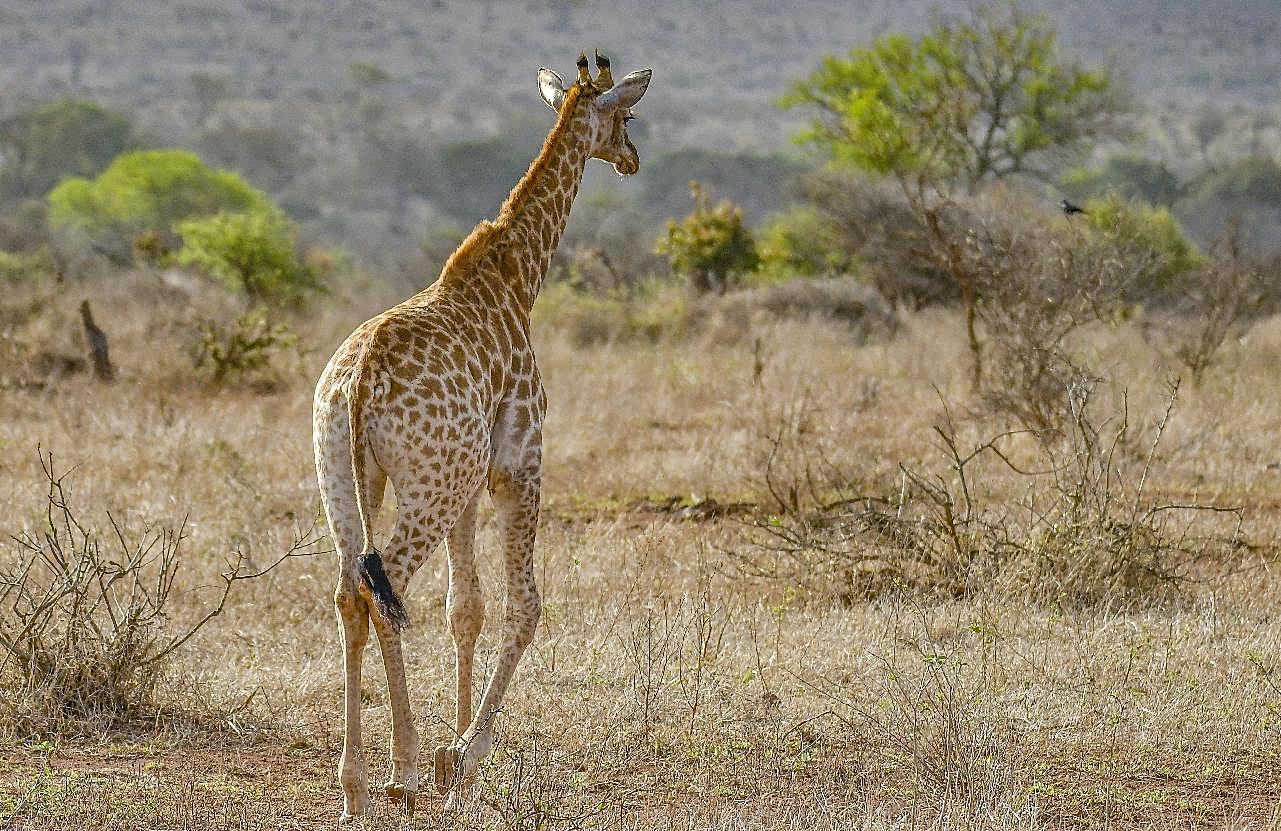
485, 230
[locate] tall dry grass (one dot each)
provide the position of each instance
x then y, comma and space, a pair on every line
667, 686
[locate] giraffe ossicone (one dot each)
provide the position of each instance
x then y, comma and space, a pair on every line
441, 395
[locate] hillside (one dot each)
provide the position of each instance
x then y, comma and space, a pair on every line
315, 99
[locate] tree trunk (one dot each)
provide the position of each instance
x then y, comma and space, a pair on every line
976, 349
96, 345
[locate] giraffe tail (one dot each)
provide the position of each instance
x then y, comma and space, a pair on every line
369, 564
389, 604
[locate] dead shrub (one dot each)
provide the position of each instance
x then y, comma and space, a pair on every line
878, 227
1072, 521
1036, 288
85, 619
1209, 306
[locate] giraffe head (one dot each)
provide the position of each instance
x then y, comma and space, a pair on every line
605, 107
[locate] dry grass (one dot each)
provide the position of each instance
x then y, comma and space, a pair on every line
666, 689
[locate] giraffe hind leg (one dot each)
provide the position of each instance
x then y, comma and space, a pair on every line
351, 599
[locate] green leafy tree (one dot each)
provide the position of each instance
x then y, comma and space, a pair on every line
712, 246
145, 192
254, 253
64, 138
961, 104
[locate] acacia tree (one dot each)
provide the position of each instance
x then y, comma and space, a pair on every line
963, 104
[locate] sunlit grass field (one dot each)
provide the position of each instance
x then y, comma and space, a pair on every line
731, 637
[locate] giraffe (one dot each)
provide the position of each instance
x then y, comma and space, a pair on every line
441, 395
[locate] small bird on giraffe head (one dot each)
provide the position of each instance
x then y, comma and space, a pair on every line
1069, 208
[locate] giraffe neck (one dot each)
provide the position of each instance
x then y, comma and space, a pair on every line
531, 221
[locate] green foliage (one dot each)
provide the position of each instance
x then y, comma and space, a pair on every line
1131, 176
802, 241
1148, 237
146, 191
362, 74
711, 247
254, 253
23, 268
248, 346
64, 138
960, 104
1253, 179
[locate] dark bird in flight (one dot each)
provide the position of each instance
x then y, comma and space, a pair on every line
1069, 208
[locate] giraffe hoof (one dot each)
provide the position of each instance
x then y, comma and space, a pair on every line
448, 767
396, 790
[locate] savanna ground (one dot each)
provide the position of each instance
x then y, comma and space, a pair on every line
763, 607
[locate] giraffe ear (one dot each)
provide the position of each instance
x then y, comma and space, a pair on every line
551, 87
626, 92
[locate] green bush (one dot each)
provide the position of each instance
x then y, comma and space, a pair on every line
247, 347
802, 242
712, 247
254, 253
1149, 239
146, 191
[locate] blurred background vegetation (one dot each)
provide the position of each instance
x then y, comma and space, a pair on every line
272, 150
384, 128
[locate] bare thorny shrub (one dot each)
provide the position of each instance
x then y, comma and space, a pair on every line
1076, 520
1212, 305
85, 619
1035, 289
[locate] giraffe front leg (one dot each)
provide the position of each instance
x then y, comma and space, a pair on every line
516, 500
353, 617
